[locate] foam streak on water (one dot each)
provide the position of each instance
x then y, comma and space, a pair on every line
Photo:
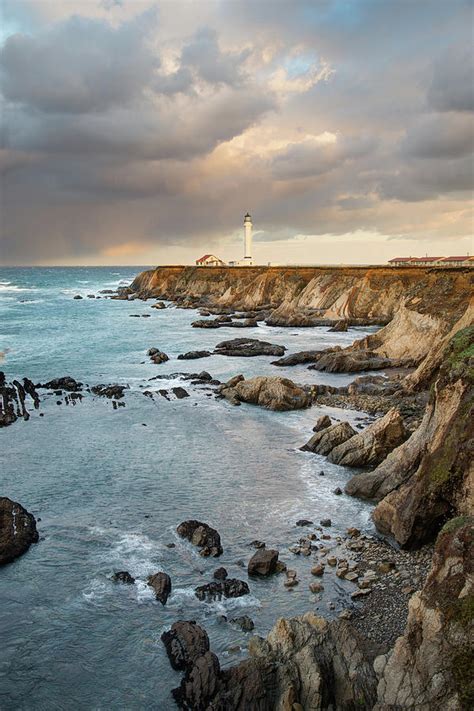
110, 492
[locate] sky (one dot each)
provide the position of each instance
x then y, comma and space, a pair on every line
141, 132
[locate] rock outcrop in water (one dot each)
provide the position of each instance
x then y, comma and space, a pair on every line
17, 530
248, 347
326, 439
161, 584
373, 444
273, 393
201, 535
13, 400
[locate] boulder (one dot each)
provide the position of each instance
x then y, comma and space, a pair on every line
263, 562
180, 392
340, 326
322, 423
65, 383
230, 587
220, 574
200, 684
194, 355
324, 441
123, 576
209, 323
245, 623
77, 297
273, 393
299, 358
110, 391
351, 361
159, 305
373, 444
161, 584
17, 530
248, 347
184, 643
157, 356
201, 535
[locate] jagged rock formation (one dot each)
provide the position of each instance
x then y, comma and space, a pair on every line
430, 477
248, 347
325, 440
310, 663
161, 584
201, 535
13, 400
373, 444
431, 665
273, 393
17, 530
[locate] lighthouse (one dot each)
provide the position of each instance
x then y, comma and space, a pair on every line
248, 239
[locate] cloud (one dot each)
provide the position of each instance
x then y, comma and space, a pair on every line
80, 65
452, 87
147, 125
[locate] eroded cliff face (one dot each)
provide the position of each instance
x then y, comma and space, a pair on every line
420, 306
431, 665
430, 477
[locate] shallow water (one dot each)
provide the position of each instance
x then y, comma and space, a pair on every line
110, 486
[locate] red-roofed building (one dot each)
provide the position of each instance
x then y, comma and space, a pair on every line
465, 261
210, 260
400, 261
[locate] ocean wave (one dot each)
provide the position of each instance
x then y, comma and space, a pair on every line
13, 287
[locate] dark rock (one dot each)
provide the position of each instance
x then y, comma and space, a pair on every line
245, 623
123, 576
17, 530
325, 522
199, 685
337, 491
263, 562
110, 391
340, 326
157, 356
158, 305
201, 535
211, 323
351, 361
220, 574
194, 355
184, 643
247, 347
299, 358
257, 544
66, 383
77, 297
161, 584
230, 587
304, 522
180, 392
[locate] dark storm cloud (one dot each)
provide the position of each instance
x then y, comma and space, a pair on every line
452, 88
80, 65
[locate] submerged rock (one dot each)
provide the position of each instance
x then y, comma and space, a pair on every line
245, 623
263, 562
161, 584
201, 535
111, 391
194, 355
298, 358
123, 576
373, 444
17, 530
247, 347
180, 392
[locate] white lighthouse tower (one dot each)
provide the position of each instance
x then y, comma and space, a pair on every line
248, 240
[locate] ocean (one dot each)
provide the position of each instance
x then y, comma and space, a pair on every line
109, 486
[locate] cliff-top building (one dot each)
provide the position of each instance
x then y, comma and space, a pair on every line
462, 261
209, 260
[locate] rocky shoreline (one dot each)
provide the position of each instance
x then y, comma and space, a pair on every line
403, 642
